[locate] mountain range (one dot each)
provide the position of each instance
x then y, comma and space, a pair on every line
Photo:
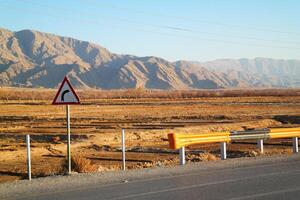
35, 59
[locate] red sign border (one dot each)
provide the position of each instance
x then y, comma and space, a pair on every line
60, 88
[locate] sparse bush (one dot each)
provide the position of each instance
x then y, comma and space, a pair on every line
207, 157
48, 170
202, 157
253, 153
82, 165
56, 139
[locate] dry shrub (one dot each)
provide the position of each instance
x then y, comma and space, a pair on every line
56, 139
48, 170
142, 165
207, 157
253, 153
82, 165
33, 94
202, 157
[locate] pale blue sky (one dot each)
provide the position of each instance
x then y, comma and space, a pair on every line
171, 29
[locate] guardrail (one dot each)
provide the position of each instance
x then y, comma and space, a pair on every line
179, 141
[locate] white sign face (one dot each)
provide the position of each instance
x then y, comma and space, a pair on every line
66, 94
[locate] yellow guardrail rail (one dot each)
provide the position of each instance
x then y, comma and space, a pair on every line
177, 140
284, 132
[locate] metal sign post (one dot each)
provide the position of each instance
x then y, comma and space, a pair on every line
65, 96
69, 138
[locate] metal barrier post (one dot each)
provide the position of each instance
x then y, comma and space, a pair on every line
28, 157
123, 149
260, 145
295, 145
223, 151
182, 156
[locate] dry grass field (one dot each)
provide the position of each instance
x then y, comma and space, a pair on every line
147, 116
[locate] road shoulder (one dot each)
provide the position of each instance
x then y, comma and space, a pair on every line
64, 183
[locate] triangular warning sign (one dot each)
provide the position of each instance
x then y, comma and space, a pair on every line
66, 94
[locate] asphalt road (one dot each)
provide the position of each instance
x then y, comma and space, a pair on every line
264, 180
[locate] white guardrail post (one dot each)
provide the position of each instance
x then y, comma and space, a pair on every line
295, 145
28, 157
223, 151
182, 156
260, 145
123, 149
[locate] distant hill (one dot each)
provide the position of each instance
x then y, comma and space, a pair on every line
35, 59
271, 72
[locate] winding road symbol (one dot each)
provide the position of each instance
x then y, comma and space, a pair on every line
63, 95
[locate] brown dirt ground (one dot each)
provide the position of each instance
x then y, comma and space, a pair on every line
96, 130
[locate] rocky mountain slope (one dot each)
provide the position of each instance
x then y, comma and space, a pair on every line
34, 59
